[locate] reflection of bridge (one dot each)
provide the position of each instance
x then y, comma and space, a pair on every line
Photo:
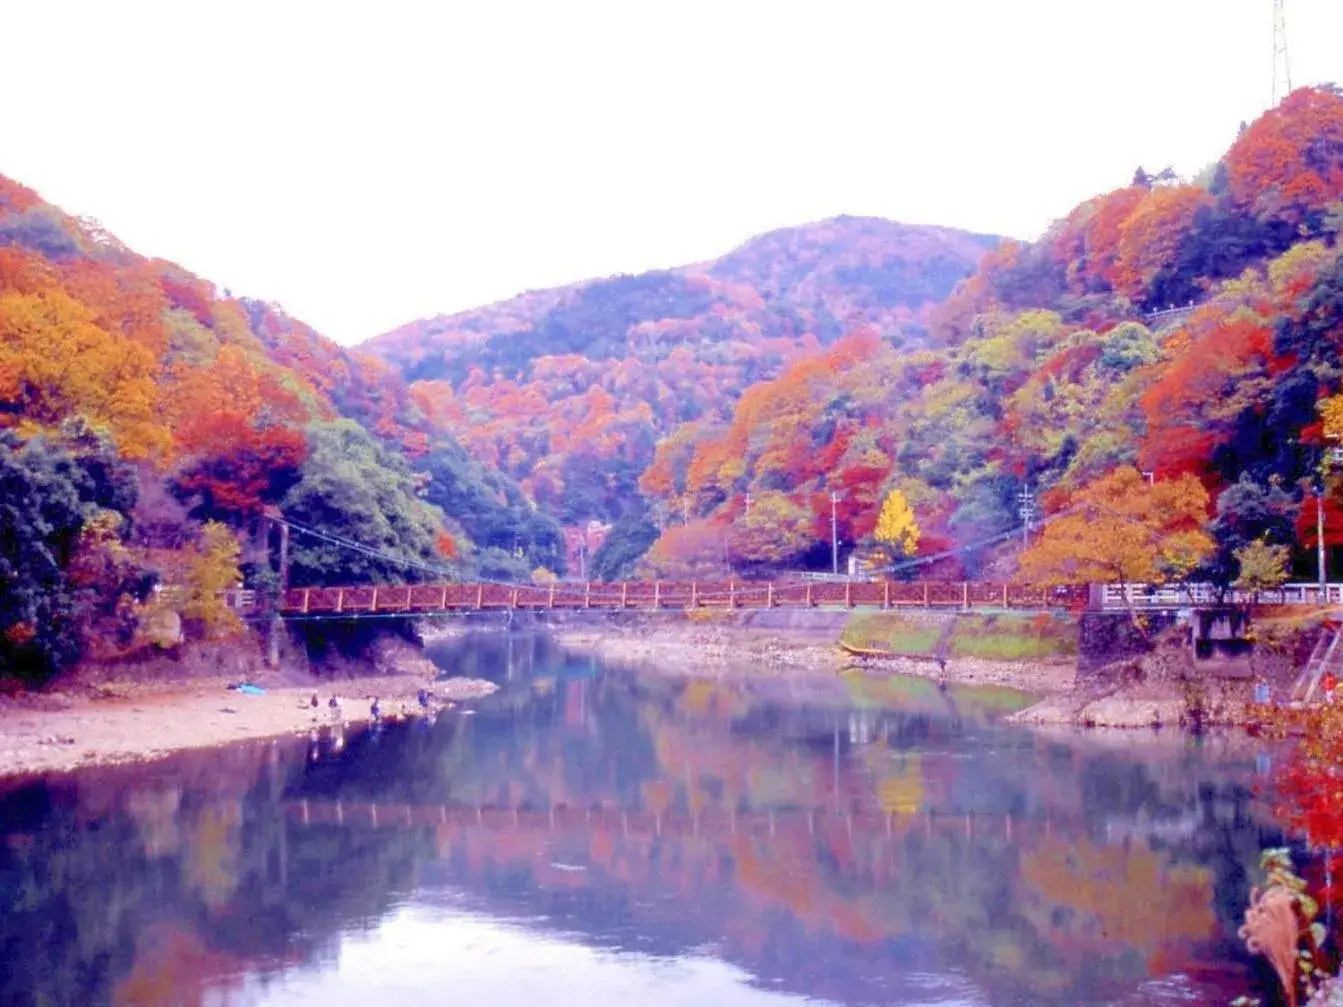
826, 823
427, 599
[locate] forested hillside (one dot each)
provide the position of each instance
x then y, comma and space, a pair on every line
146, 423
1043, 373
569, 390
724, 414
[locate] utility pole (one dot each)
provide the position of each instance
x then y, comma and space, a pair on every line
834, 532
1319, 538
1333, 456
1026, 511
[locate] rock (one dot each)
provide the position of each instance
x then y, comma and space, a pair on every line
464, 688
162, 628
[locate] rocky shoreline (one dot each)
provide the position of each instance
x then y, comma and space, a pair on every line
725, 649
1159, 689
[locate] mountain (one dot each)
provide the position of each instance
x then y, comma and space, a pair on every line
1048, 377
569, 390
147, 423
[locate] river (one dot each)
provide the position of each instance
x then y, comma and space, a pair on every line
589, 836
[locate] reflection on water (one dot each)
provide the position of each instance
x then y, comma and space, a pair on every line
589, 836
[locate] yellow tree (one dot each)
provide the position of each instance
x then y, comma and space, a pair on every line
56, 362
897, 532
1121, 528
1331, 412
212, 570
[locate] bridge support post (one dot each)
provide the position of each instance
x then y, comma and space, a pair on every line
885, 594
273, 631
731, 594
965, 594
848, 594
284, 557
657, 595
340, 599
808, 594
694, 595
624, 592
769, 595
480, 597
374, 605
1004, 596
587, 594
927, 603
550, 599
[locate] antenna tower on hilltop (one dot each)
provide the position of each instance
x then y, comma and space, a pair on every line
1282, 71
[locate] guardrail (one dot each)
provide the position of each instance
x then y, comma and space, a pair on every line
1169, 596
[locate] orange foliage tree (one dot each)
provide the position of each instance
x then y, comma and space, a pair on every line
1289, 163
1121, 528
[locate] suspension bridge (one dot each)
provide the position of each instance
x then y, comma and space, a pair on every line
438, 592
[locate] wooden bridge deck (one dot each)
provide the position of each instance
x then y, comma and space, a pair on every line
667, 595
426, 599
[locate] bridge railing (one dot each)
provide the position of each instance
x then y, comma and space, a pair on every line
1169, 596
729, 593
414, 599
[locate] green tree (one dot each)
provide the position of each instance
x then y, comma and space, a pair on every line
625, 544
1247, 512
353, 487
1263, 567
49, 494
491, 509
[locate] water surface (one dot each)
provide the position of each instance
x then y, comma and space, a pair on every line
587, 836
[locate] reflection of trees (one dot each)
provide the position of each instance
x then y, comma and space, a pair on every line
921, 850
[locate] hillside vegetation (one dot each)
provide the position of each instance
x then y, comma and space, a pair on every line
1042, 373
569, 390
147, 422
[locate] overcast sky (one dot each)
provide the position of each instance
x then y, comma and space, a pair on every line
367, 165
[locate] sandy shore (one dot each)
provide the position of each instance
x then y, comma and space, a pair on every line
134, 722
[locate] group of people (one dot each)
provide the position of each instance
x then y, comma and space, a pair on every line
424, 698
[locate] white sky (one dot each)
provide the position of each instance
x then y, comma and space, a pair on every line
368, 164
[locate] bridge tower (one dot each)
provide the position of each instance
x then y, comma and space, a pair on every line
272, 521
1282, 72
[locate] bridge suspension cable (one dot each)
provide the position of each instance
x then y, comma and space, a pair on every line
392, 558
742, 591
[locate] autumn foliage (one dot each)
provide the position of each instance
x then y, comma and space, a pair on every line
157, 387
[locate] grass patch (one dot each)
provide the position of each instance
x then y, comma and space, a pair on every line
893, 633
1014, 637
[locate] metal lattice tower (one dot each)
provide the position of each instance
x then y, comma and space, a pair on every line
1282, 71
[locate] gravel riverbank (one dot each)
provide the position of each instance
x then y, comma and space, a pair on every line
119, 721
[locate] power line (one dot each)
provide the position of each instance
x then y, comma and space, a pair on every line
368, 550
